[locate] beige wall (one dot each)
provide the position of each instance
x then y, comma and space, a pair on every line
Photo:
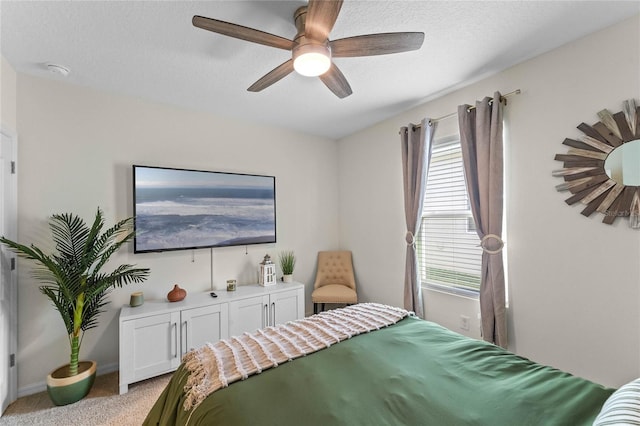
574, 282
76, 150
7, 96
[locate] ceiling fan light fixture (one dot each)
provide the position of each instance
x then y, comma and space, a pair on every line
311, 50
311, 60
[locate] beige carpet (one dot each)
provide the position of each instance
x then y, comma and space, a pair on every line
103, 406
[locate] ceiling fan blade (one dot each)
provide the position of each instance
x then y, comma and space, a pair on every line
376, 44
243, 33
321, 16
272, 76
336, 82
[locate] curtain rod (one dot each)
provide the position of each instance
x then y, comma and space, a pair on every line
453, 114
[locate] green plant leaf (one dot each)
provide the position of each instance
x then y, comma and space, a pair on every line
73, 273
287, 262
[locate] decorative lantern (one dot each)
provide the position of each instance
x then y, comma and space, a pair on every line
267, 271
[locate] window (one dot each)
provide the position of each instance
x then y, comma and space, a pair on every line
449, 255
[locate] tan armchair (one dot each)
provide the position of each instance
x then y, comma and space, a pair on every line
335, 282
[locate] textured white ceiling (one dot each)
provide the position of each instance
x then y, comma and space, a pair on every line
150, 50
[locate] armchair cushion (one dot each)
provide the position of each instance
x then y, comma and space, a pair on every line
334, 293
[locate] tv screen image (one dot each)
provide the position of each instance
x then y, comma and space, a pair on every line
179, 209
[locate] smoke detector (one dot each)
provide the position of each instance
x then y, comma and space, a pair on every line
58, 69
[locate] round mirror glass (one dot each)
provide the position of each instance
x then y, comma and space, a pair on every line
623, 163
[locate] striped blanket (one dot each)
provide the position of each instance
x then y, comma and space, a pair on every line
216, 365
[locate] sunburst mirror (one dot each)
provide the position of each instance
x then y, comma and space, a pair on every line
601, 169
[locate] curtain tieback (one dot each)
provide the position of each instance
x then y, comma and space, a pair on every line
487, 237
410, 238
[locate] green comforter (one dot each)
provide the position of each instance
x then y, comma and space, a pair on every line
411, 373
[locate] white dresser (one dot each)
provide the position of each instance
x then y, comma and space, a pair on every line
155, 335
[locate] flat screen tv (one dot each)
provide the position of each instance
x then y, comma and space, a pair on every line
178, 209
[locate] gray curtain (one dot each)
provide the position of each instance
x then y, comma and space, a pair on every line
416, 155
481, 142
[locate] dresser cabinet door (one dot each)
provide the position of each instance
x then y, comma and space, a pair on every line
286, 306
152, 346
202, 325
248, 314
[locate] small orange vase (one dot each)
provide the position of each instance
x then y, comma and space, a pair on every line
177, 294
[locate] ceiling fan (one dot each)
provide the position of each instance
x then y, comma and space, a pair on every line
311, 48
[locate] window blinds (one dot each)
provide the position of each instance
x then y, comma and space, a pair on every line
449, 255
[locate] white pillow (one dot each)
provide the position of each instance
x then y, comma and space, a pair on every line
622, 407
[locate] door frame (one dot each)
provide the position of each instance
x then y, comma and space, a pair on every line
10, 229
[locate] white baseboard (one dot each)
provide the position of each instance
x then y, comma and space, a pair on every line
42, 386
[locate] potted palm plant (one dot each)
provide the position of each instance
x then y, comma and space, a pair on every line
287, 265
74, 281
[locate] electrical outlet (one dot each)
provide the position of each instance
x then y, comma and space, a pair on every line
464, 322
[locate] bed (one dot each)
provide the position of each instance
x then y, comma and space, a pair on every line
409, 372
